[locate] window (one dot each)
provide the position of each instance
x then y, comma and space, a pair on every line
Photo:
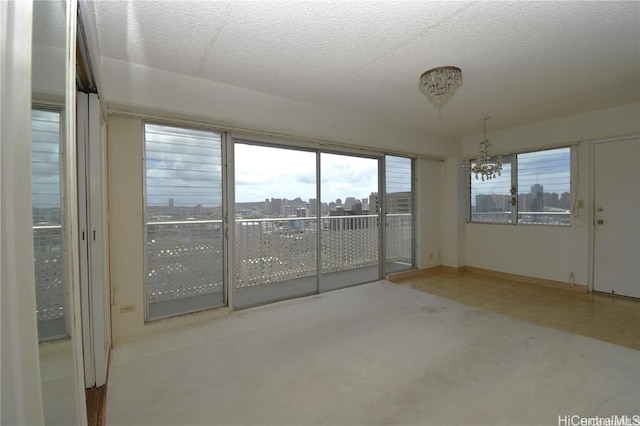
184, 229
47, 225
534, 188
399, 213
491, 199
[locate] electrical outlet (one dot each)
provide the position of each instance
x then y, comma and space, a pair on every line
430, 255
127, 308
581, 204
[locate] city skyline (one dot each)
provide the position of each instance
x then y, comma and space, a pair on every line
551, 169
397, 202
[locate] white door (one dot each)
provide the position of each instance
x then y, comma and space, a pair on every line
616, 267
92, 205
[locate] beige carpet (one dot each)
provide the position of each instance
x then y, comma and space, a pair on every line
373, 354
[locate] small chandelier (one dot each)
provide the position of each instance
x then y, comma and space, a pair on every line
482, 166
439, 84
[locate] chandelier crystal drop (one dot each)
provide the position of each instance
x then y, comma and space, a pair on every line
439, 84
482, 166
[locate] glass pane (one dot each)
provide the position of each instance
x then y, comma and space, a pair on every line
276, 226
399, 220
47, 225
544, 187
491, 199
350, 233
183, 220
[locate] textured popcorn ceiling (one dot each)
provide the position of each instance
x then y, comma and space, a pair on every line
522, 62
49, 23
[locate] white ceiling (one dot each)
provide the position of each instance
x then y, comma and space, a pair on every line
49, 23
522, 62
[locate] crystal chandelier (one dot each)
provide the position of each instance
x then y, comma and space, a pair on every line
482, 166
439, 84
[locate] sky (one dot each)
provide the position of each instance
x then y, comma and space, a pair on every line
45, 158
266, 172
185, 165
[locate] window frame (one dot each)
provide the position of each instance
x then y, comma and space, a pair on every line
413, 212
57, 108
229, 136
513, 162
148, 319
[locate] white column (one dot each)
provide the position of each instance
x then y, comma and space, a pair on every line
454, 213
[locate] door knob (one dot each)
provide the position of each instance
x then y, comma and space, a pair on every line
600, 221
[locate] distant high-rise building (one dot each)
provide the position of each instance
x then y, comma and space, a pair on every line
312, 206
338, 211
537, 198
485, 203
565, 201
301, 212
276, 205
501, 202
524, 202
349, 202
551, 199
399, 202
374, 203
338, 202
286, 210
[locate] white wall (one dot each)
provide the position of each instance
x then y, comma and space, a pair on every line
428, 212
48, 77
454, 213
607, 123
542, 251
142, 89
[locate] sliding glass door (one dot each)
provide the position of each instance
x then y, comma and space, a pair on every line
276, 235
305, 221
289, 244
350, 213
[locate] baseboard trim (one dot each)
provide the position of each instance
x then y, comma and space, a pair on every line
529, 280
418, 273
452, 269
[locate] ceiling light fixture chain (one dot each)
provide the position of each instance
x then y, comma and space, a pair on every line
483, 167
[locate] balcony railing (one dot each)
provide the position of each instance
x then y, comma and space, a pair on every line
184, 258
399, 238
349, 242
526, 218
49, 278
